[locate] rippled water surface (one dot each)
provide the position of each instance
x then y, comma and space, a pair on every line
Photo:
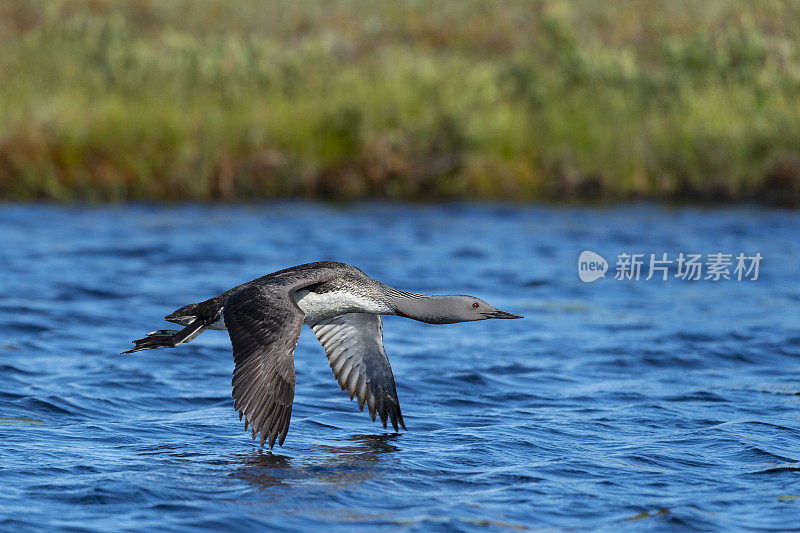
616, 405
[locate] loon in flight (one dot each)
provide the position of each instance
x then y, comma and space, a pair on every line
342, 305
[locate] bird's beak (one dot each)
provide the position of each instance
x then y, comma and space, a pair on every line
501, 314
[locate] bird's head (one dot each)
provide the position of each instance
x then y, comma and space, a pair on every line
469, 308
451, 308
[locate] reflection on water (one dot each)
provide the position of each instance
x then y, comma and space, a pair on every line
367, 449
264, 469
349, 463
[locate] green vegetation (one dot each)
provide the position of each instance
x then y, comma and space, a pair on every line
208, 99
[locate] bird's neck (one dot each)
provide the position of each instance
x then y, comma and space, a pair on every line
430, 308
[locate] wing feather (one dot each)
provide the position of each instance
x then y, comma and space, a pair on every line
353, 344
264, 325
362, 391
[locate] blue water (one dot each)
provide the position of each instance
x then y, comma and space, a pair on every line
614, 405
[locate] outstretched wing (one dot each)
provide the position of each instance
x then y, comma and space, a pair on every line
264, 324
354, 345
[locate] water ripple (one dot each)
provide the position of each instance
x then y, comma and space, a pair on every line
614, 405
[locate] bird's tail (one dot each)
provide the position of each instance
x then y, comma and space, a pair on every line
169, 338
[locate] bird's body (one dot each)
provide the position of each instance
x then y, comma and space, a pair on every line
342, 305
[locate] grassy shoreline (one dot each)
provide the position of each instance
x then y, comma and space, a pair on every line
550, 100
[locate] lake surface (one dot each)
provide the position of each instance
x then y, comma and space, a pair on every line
618, 405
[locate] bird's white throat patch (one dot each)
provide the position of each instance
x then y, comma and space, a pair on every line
322, 306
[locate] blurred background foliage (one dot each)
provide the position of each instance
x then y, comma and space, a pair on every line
521, 100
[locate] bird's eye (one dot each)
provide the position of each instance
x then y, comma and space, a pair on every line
475, 305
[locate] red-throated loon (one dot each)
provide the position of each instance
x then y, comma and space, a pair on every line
342, 305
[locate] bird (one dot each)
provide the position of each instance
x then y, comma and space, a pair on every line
342, 305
